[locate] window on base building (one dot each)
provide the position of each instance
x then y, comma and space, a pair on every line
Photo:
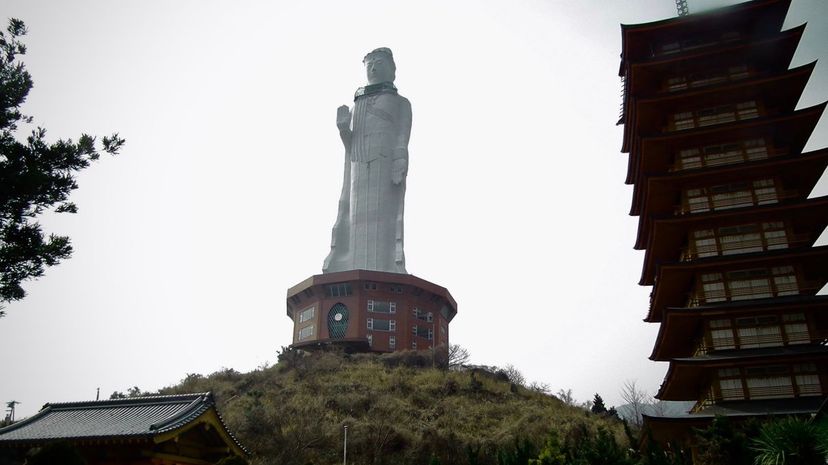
338, 290
306, 332
307, 314
381, 306
392, 342
370, 340
382, 325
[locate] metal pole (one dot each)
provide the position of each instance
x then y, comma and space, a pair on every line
345, 448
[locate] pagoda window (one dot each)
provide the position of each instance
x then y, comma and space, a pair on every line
796, 328
732, 240
769, 382
807, 380
307, 314
721, 154
707, 78
728, 196
754, 332
730, 384
306, 332
714, 115
744, 285
678, 46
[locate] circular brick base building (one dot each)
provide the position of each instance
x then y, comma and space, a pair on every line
370, 310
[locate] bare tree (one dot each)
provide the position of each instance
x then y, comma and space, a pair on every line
637, 402
566, 397
514, 375
540, 387
458, 356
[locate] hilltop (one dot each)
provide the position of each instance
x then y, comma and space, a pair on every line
398, 409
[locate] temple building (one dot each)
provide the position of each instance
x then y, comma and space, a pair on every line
722, 193
148, 430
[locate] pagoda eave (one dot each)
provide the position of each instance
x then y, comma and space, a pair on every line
799, 175
686, 377
673, 279
774, 53
677, 323
790, 130
670, 234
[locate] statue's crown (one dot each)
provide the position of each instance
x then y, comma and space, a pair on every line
377, 51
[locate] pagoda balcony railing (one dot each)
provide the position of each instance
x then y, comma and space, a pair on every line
749, 293
760, 340
694, 251
748, 199
707, 79
765, 392
770, 392
721, 159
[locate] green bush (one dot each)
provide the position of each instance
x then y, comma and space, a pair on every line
791, 441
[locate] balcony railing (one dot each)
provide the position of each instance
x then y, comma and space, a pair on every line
741, 199
720, 159
759, 340
694, 251
749, 293
770, 392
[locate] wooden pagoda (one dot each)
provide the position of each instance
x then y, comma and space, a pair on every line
721, 190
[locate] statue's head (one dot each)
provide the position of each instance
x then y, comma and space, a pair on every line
379, 66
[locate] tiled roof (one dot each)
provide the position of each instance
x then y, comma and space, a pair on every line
130, 418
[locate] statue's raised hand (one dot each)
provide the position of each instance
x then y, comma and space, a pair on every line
343, 118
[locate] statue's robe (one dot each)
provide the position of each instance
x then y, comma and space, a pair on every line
368, 233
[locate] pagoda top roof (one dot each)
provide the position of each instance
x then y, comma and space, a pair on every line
756, 18
134, 418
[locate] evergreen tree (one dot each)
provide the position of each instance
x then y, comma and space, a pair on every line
35, 176
598, 404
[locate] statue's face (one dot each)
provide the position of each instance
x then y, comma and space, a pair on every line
379, 68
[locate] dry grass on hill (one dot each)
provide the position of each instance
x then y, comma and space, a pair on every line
397, 408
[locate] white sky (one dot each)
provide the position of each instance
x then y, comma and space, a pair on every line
227, 188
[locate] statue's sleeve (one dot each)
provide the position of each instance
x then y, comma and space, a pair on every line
403, 130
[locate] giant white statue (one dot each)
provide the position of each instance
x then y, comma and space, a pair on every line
368, 233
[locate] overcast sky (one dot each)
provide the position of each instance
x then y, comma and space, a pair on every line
226, 191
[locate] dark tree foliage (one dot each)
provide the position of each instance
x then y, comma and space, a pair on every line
598, 404
35, 176
722, 443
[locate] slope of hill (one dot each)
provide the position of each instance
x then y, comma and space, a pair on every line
397, 408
